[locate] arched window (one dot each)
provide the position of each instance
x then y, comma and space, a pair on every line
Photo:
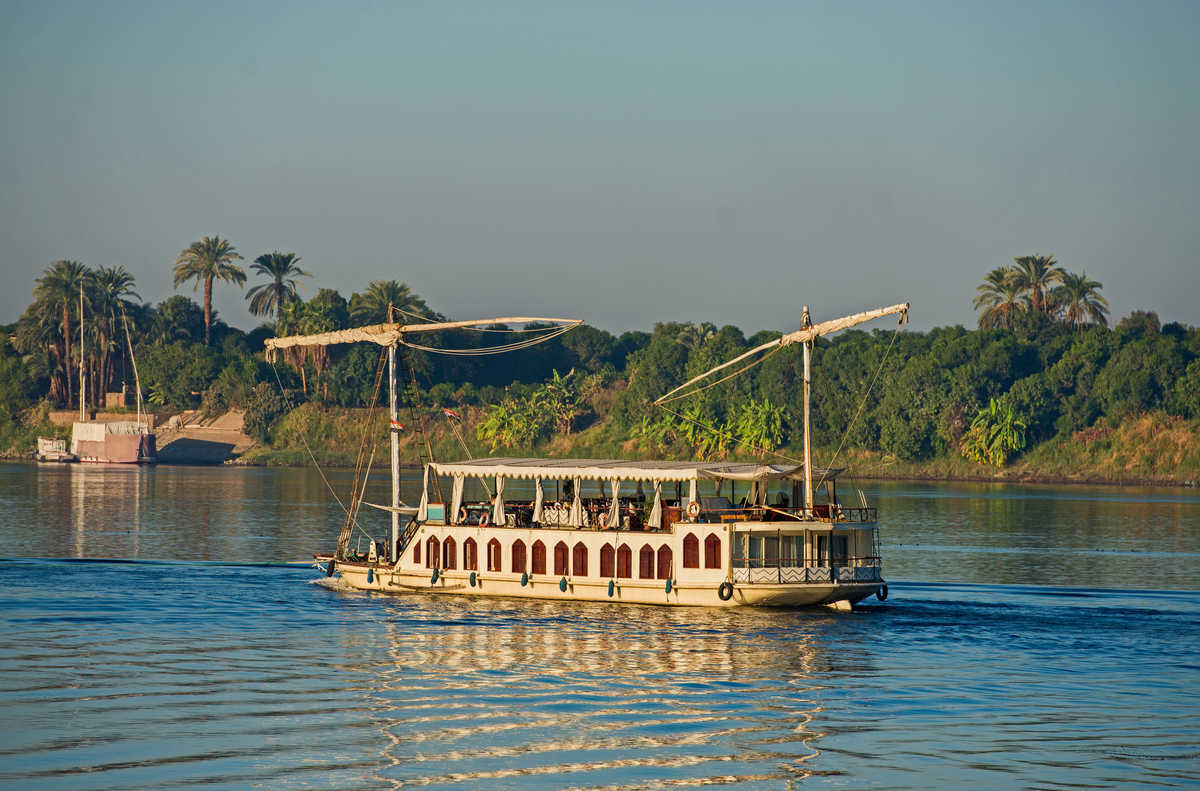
560, 559
608, 558
539, 558
470, 555
432, 552
449, 554
712, 552
625, 562
579, 567
646, 563
417, 552
518, 557
493, 555
691, 552
664, 562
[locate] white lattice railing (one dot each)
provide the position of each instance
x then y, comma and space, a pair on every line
807, 575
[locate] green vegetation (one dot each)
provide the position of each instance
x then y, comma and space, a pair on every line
1044, 387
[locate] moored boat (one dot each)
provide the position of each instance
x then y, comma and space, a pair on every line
115, 442
53, 450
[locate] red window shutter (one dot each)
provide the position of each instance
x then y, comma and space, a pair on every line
691, 552
560, 559
539, 558
579, 560
646, 563
625, 563
712, 552
518, 557
607, 556
664, 562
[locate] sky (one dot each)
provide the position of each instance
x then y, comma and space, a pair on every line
624, 163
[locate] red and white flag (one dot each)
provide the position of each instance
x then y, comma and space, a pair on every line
450, 413
397, 425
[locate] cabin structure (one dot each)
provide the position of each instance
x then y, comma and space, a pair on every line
649, 532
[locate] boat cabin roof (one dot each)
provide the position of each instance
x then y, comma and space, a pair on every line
620, 469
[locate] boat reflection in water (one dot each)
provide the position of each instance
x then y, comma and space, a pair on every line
593, 695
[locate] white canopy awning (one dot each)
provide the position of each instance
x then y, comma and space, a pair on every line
619, 469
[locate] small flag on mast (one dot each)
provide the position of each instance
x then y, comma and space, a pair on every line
397, 425
450, 413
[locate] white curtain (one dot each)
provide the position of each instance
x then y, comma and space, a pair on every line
537, 501
692, 498
577, 505
614, 509
423, 508
498, 508
656, 509
456, 498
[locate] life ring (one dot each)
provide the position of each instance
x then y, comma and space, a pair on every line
693, 509
483, 519
472, 579
668, 586
329, 568
524, 579
725, 592
562, 584
881, 592
612, 586
433, 580
370, 576
462, 514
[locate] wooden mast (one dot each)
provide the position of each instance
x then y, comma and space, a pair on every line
82, 389
393, 419
805, 322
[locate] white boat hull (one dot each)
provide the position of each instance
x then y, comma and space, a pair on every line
384, 579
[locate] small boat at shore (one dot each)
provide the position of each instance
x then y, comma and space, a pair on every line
53, 451
647, 532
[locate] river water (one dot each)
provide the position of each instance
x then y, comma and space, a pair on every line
156, 636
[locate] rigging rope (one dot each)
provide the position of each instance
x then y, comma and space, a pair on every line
488, 350
738, 372
352, 513
777, 454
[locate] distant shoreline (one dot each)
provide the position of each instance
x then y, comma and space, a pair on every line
1024, 477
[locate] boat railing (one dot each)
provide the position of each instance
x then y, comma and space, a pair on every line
794, 571
777, 513
595, 515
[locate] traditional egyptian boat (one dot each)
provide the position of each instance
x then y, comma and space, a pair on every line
648, 532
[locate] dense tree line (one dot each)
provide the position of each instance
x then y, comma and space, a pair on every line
1044, 363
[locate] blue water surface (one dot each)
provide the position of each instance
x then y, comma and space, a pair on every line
232, 669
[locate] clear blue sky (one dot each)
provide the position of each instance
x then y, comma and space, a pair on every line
626, 164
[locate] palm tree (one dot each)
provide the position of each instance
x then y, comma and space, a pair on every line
1080, 301
1037, 274
371, 307
112, 292
1000, 298
282, 268
60, 286
206, 260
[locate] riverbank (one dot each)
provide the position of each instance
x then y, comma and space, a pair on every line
1146, 450
1152, 449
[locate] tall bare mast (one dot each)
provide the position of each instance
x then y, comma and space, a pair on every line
805, 323
82, 382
